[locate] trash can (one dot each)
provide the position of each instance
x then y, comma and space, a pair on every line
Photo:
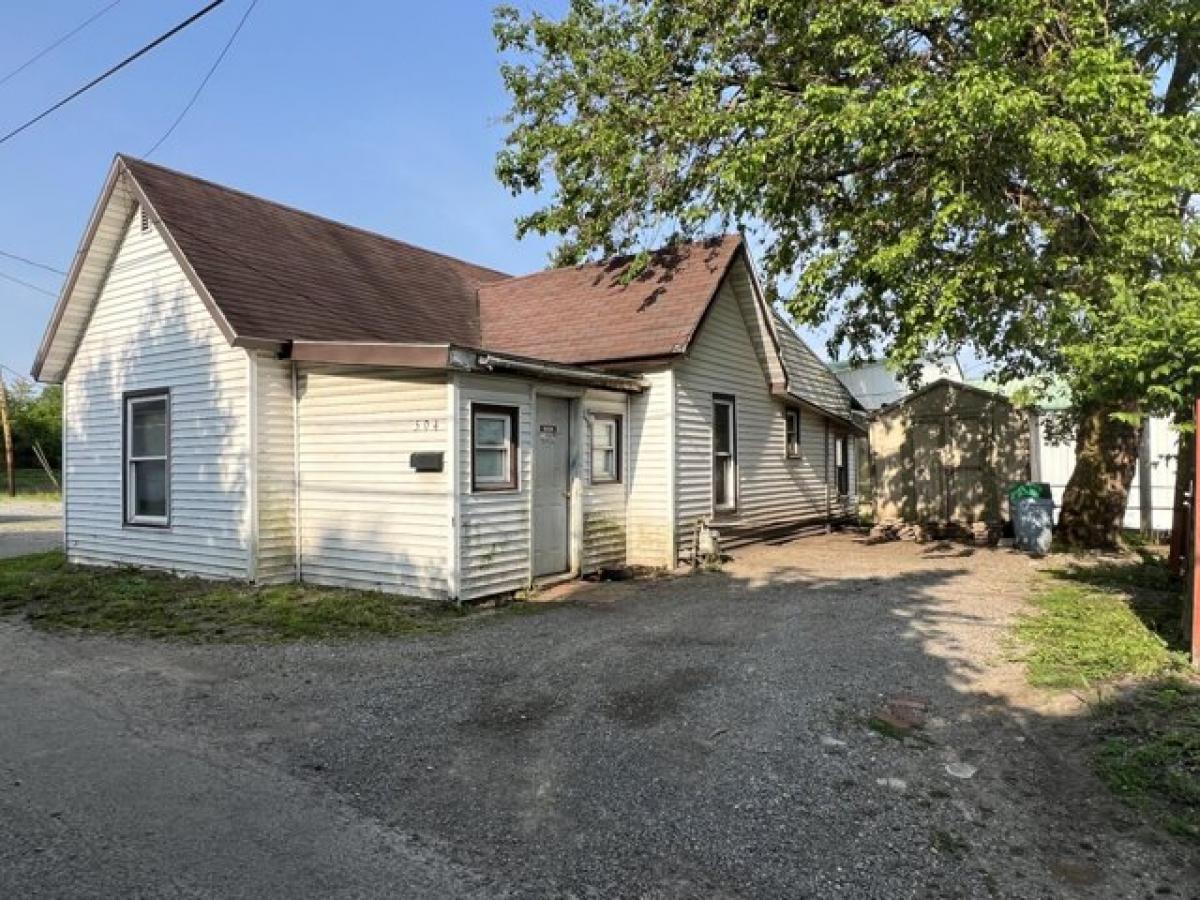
1032, 508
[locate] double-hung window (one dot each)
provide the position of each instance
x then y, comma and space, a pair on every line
792, 420
724, 453
148, 458
841, 462
494, 448
606, 448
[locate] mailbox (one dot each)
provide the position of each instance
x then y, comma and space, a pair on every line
426, 462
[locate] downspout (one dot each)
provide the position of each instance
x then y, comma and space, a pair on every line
453, 563
828, 499
296, 512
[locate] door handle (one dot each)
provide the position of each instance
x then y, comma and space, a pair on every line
566, 495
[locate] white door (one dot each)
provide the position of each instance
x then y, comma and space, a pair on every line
551, 486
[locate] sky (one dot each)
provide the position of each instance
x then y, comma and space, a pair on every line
385, 115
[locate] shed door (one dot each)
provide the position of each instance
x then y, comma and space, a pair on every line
929, 477
551, 486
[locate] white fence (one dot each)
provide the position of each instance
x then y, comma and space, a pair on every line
1151, 500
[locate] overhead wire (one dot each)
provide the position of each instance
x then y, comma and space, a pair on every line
30, 262
112, 70
204, 82
57, 43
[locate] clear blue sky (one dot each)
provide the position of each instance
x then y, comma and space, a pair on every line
382, 114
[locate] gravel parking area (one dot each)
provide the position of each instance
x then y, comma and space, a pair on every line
29, 526
711, 735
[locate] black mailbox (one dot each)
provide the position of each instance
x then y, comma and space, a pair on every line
426, 462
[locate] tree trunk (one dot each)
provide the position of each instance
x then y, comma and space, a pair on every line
1106, 455
1185, 468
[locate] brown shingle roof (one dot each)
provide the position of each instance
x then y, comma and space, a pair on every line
587, 314
281, 274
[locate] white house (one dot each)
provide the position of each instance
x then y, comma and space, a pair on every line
254, 392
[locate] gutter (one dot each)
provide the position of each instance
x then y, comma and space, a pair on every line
819, 410
553, 371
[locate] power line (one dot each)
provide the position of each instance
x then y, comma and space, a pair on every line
204, 81
30, 262
23, 283
113, 70
66, 37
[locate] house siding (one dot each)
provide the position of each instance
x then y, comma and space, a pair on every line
367, 520
275, 451
150, 330
650, 508
494, 526
772, 489
604, 504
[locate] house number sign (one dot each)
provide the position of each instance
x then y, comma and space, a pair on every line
426, 425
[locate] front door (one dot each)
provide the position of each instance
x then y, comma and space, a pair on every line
551, 486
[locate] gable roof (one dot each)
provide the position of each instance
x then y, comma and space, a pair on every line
809, 377
949, 384
590, 314
275, 277
280, 274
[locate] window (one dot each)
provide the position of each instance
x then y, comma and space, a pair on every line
792, 417
606, 448
494, 448
147, 458
724, 444
841, 462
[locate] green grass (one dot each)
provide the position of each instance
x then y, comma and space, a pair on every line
32, 484
1118, 623
1150, 753
1096, 624
53, 595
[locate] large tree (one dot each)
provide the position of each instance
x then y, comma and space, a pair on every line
928, 175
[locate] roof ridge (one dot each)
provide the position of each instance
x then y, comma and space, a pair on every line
126, 159
610, 260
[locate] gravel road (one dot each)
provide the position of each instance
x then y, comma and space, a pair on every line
698, 736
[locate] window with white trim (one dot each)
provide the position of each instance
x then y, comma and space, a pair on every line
148, 458
494, 447
724, 452
606, 448
792, 419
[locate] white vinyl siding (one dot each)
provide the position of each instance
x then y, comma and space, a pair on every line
150, 330
275, 448
604, 508
772, 489
367, 520
648, 472
494, 525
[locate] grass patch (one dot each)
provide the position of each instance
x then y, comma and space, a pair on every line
32, 484
54, 595
1150, 752
1103, 622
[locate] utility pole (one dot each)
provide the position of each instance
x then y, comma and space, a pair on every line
8, 447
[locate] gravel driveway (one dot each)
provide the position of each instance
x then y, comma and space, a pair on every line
29, 526
699, 736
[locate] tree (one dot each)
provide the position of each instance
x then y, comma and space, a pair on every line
930, 176
36, 418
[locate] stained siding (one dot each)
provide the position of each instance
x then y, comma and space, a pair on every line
149, 329
604, 504
368, 520
494, 525
275, 449
649, 510
772, 489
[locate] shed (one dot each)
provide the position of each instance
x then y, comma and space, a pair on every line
947, 452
